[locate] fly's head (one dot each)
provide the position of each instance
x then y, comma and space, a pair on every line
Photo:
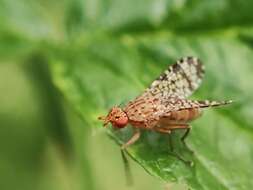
116, 116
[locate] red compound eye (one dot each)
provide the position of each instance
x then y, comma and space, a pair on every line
121, 122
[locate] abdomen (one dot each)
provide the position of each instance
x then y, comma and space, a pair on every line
182, 116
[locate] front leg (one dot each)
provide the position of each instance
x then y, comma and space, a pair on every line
132, 140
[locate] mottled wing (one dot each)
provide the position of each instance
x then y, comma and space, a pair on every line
164, 95
179, 80
176, 104
146, 111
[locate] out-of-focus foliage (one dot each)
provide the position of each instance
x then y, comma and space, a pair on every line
104, 52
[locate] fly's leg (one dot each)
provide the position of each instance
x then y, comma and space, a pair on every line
171, 144
187, 162
184, 137
187, 131
162, 130
132, 140
168, 131
129, 176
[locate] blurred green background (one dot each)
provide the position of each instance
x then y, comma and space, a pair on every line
63, 63
44, 145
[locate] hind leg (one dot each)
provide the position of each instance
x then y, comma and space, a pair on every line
168, 131
187, 129
184, 137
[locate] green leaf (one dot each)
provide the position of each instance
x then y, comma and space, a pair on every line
95, 71
108, 71
132, 15
34, 19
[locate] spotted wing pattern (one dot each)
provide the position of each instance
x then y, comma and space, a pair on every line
175, 104
150, 109
168, 94
180, 80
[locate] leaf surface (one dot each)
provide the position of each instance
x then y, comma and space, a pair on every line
111, 71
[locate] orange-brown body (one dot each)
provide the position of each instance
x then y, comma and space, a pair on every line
182, 116
175, 118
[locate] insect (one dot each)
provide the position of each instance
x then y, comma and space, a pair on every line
164, 107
